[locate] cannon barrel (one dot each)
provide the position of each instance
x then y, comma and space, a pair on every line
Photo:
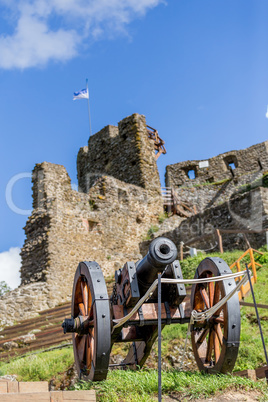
162, 252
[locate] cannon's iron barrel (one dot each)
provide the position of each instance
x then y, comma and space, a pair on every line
162, 252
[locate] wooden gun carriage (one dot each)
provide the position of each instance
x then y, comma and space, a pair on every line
95, 321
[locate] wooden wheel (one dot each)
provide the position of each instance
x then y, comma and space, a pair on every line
215, 342
91, 313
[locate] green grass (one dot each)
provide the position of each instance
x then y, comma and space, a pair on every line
153, 229
162, 217
251, 354
189, 265
208, 183
39, 367
261, 182
141, 386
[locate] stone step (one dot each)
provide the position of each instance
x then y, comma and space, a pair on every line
46, 343
52, 396
35, 391
22, 387
36, 322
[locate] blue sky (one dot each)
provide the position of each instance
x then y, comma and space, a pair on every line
197, 69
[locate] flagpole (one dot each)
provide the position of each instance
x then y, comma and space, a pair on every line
90, 132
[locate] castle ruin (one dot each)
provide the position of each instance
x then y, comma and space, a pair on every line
118, 199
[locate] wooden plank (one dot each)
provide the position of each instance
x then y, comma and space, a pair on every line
33, 386
149, 312
13, 386
3, 387
40, 345
246, 373
181, 251
56, 396
199, 238
27, 397
78, 396
262, 372
239, 259
219, 240
242, 231
242, 303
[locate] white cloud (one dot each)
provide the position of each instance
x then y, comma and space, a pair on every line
10, 263
45, 30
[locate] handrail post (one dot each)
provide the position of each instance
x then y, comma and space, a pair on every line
253, 266
242, 292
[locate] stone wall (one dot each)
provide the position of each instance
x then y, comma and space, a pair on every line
242, 211
208, 195
23, 303
225, 166
125, 153
66, 227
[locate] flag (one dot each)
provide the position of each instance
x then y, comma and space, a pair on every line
83, 94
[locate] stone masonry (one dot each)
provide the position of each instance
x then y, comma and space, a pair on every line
247, 211
104, 221
216, 180
123, 152
118, 199
225, 166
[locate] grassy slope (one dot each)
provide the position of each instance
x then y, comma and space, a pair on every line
142, 386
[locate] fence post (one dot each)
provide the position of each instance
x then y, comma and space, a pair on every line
219, 240
181, 251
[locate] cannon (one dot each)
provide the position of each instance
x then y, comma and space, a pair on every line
95, 317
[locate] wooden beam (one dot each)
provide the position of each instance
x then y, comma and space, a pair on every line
219, 240
246, 304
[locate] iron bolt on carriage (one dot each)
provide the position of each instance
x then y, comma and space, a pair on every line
98, 322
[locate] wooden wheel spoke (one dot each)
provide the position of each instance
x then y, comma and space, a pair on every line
81, 309
217, 350
88, 352
202, 337
209, 336
92, 341
219, 333
204, 295
211, 293
80, 346
84, 289
217, 293
219, 320
209, 346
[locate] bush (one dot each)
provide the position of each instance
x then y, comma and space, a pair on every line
4, 288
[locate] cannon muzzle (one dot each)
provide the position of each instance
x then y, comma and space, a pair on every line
162, 252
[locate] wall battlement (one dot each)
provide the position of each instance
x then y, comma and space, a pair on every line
228, 165
125, 153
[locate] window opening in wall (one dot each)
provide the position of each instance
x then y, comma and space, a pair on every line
232, 165
191, 174
231, 162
